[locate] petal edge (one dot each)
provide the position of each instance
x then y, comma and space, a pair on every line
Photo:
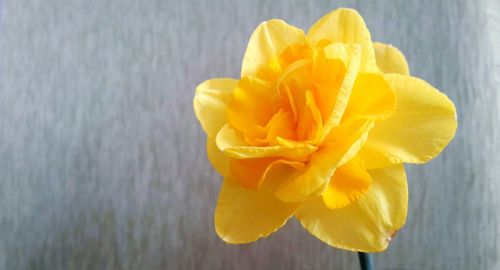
210, 103
421, 127
366, 225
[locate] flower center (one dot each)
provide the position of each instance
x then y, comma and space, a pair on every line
289, 100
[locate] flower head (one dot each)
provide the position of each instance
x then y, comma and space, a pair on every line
318, 127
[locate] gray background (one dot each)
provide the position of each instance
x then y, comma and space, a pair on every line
102, 163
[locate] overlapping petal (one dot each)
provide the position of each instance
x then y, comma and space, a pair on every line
371, 98
234, 145
293, 86
270, 39
390, 59
350, 55
328, 75
422, 125
220, 161
341, 146
348, 183
346, 26
245, 215
369, 223
210, 103
253, 104
251, 172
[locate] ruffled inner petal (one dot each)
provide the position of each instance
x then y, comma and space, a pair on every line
349, 182
346, 26
250, 173
233, 145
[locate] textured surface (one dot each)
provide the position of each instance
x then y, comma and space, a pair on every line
102, 163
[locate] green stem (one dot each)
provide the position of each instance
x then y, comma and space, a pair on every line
365, 260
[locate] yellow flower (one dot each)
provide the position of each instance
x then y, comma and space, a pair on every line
318, 127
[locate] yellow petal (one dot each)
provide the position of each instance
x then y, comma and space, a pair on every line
251, 172
252, 104
371, 98
350, 54
270, 39
390, 59
348, 183
349, 137
422, 125
316, 122
313, 179
293, 85
369, 223
279, 127
347, 26
233, 145
210, 103
244, 215
374, 157
217, 158
328, 75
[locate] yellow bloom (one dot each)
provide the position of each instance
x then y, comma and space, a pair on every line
318, 127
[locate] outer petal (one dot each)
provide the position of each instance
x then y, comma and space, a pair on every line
233, 145
390, 59
217, 158
316, 175
347, 26
422, 125
270, 38
210, 103
244, 215
367, 224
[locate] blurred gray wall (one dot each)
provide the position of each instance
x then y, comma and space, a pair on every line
102, 163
